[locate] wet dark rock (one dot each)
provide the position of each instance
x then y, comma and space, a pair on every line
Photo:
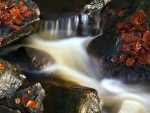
109, 44
55, 9
82, 15
7, 110
30, 25
35, 93
63, 99
38, 58
11, 78
85, 25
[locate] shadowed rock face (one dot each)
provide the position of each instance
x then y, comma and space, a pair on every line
63, 99
52, 9
38, 58
7, 110
81, 14
110, 43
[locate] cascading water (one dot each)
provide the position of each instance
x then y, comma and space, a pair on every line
72, 63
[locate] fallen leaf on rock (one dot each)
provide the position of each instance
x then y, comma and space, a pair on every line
2, 66
31, 93
17, 100
32, 104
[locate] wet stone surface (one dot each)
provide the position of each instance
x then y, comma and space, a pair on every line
38, 58
81, 16
65, 99
28, 100
54, 9
11, 78
7, 110
107, 49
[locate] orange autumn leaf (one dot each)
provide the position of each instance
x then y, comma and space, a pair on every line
122, 58
25, 99
14, 12
123, 27
86, 91
114, 59
1, 39
136, 46
146, 36
17, 100
122, 12
31, 93
32, 104
2, 66
133, 37
130, 61
142, 60
22, 8
16, 28
126, 47
139, 18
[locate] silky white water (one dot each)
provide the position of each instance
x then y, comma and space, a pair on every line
72, 63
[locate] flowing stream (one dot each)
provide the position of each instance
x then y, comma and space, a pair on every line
73, 64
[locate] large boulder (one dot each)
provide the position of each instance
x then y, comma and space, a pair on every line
19, 19
122, 25
71, 99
